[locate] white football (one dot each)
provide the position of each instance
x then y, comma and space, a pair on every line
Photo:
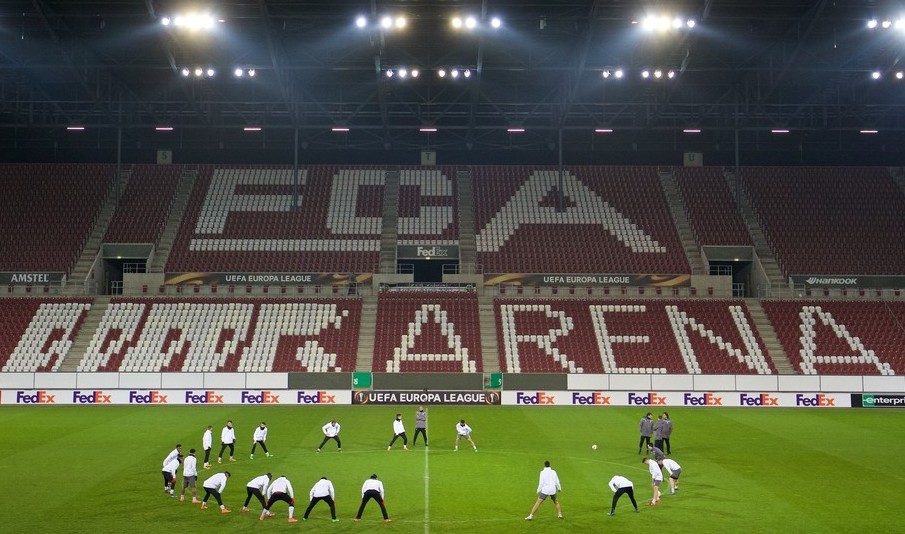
594, 446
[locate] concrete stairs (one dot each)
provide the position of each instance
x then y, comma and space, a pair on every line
489, 348
467, 247
768, 335
388, 233
677, 210
89, 327
75, 284
365, 358
174, 219
761, 245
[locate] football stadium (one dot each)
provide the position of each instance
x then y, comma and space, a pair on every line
497, 266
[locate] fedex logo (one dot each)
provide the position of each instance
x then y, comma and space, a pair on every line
205, 397
38, 397
707, 399
651, 399
91, 397
264, 397
757, 400
319, 397
817, 400
538, 398
595, 398
151, 397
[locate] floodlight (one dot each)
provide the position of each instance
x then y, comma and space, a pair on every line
658, 74
179, 20
403, 72
386, 23
649, 23
400, 22
677, 23
605, 74
663, 24
238, 72
165, 21
339, 129
467, 73
619, 73
210, 72
251, 73
252, 128
456, 22
869, 131
671, 74
690, 23
75, 128
691, 130
163, 128
645, 74
454, 73
875, 75
361, 22
779, 131
415, 73
603, 130
441, 73
899, 75
389, 73
427, 130
199, 71
515, 130
495, 23
185, 71
470, 23
886, 24
872, 23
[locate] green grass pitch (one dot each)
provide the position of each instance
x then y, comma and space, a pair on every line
97, 469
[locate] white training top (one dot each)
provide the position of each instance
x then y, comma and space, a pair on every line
322, 488
190, 466
372, 484
671, 466
331, 429
228, 435
654, 470
171, 467
280, 485
207, 440
463, 429
620, 481
261, 434
216, 482
170, 457
260, 482
549, 482
398, 427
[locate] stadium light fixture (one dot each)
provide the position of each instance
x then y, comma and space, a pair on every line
163, 128
361, 21
471, 23
456, 23
252, 73
495, 23
618, 73
875, 75
658, 74
251, 129
238, 73
199, 72
454, 73
339, 129
400, 22
441, 73
869, 132
899, 75
779, 131
466, 73
515, 130
886, 24
190, 21
645, 74
185, 72
427, 130
389, 73
603, 130
386, 22
691, 130
75, 128
871, 24
210, 72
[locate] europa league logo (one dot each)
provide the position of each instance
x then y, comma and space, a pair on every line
491, 397
361, 397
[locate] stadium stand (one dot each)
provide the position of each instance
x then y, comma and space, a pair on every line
142, 210
830, 220
47, 211
628, 336
235, 335
242, 219
430, 331
710, 207
841, 337
614, 220
37, 333
428, 206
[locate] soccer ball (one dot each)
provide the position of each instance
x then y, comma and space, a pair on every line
594, 446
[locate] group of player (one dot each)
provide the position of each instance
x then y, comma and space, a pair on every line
267, 490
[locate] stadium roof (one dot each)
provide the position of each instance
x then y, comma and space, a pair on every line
746, 69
